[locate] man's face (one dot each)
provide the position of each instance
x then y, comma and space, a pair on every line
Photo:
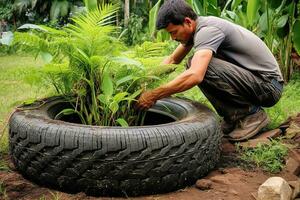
181, 33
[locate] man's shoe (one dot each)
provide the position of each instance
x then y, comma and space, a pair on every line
249, 126
227, 127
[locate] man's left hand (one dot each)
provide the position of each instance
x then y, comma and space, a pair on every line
146, 100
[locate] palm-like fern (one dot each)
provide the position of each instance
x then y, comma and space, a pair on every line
83, 63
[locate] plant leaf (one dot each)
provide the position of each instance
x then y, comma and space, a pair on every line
120, 96
103, 99
32, 26
152, 17
281, 22
252, 11
107, 85
296, 33
122, 122
114, 107
67, 111
124, 79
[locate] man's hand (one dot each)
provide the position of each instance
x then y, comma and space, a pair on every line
146, 100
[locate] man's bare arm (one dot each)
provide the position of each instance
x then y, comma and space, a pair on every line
186, 80
177, 56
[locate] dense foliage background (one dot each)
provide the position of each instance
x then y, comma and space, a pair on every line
274, 21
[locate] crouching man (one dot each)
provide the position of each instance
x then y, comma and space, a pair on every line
233, 68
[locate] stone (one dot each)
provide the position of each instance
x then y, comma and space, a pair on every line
292, 166
204, 184
220, 179
269, 134
295, 186
275, 188
254, 142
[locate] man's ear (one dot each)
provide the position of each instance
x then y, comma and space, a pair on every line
188, 21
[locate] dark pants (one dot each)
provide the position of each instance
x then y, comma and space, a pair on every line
236, 92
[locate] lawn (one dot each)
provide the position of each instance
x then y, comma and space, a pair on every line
17, 88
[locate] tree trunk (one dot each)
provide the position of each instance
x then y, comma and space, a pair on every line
126, 12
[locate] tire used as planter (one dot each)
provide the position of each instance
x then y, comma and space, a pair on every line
116, 161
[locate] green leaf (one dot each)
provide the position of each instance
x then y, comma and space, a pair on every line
252, 11
135, 94
263, 22
296, 35
103, 99
67, 111
122, 122
107, 85
47, 57
32, 26
124, 79
120, 96
114, 107
153, 17
198, 8
235, 4
281, 22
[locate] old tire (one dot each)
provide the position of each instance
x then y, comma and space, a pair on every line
114, 160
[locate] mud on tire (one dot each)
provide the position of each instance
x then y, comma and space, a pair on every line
115, 161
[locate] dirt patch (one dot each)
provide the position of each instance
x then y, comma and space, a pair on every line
233, 179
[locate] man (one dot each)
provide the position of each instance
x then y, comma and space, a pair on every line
233, 68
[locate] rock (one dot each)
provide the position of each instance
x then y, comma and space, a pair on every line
269, 134
295, 185
220, 179
254, 142
275, 188
293, 166
204, 184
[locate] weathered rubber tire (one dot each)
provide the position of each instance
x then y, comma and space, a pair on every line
114, 160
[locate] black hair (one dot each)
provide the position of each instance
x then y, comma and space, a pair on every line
174, 11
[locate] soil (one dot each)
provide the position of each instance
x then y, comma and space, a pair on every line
232, 179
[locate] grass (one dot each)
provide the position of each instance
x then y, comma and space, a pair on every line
269, 157
288, 105
15, 88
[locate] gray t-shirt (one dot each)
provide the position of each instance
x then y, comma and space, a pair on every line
235, 44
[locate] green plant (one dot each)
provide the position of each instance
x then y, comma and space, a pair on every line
133, 33
85, 65
205, 7
269, 157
